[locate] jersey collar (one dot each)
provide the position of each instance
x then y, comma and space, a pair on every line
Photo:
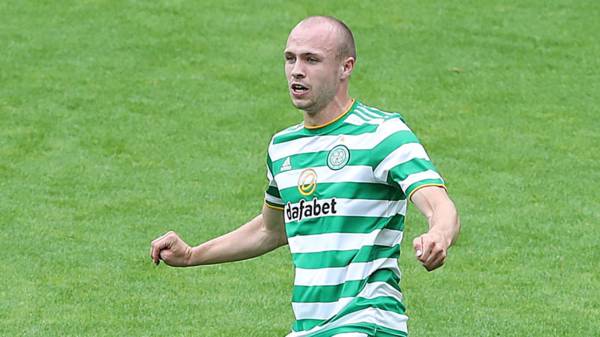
339, 118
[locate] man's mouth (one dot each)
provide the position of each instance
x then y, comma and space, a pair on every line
298, 88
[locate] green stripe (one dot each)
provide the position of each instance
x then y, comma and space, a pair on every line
363, 116
348, 289
370, 157
273, 204
343, 224
387, 303
384, 303
368, 328
342, 258
403, 170
307, 324
316, 159
371, 114
344, 129
346, 190
332, 129
383, 331
392, 143
270, 164
423, 182
383, 114
273, 191
304, 160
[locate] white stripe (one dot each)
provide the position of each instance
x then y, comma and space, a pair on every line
343, 241
355, 120
379, 317
363, 115
361, 207
350, 173
413, 178
272, 199
326, 310
334, 276
303, 145
370, 108
369, 113
401, 155
324, 143
351, 334
319, 310
291, 129
378, 289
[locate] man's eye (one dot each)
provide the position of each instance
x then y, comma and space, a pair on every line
312, 60
290, 58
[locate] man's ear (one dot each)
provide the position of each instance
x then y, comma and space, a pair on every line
347, 67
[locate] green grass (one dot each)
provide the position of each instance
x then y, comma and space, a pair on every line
122, 120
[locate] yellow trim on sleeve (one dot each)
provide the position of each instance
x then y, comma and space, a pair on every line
425, 185
273, 207
333, 120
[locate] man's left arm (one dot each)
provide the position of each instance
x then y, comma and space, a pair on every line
431, 248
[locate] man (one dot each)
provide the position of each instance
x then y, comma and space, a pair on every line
338, 189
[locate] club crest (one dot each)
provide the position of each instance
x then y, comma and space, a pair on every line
338, 157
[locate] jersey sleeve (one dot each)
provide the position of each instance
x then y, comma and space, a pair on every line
401, 160
272, 195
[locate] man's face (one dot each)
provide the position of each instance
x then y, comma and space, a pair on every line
312, 67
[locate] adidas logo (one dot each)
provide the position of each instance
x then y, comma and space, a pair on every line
287, 165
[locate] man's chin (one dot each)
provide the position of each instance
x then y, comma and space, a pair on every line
301, 104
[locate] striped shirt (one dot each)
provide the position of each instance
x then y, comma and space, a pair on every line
343, 188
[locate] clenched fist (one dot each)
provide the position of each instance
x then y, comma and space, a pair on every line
431, 249
171, 249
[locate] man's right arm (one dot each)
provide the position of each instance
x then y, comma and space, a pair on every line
260, 235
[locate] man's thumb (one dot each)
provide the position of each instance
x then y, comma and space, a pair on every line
418, 245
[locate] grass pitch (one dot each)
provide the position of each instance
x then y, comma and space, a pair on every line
122, 120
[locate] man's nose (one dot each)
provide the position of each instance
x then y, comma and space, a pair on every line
298, 70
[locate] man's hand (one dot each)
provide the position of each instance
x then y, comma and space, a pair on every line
171, 249
256, 237
431, 249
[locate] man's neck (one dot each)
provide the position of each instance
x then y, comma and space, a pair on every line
331, 112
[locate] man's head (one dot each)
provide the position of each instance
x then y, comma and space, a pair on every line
319, 58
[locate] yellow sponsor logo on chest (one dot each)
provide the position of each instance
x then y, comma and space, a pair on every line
307, 182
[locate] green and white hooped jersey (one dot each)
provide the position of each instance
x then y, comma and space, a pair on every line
343, 188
